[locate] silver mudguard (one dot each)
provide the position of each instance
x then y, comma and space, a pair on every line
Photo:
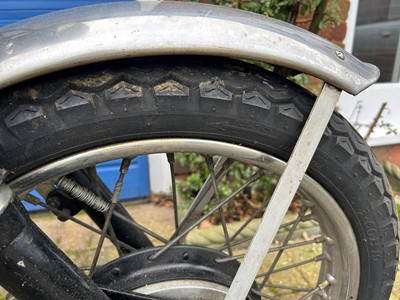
79, 36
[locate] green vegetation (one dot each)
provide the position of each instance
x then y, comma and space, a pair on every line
321, 12
398, 209
238, 174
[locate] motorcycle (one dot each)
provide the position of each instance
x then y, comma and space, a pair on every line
88, 85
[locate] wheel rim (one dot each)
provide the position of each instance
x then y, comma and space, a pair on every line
340, 253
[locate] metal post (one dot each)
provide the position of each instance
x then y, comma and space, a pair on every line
285, 191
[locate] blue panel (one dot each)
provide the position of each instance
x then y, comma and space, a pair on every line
12, 11
32, 207
136, 181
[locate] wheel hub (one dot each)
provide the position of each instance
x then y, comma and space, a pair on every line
181, 273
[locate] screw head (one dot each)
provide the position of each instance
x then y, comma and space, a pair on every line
186, 256
115, 271
340, 54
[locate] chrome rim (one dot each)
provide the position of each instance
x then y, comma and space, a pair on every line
334, 247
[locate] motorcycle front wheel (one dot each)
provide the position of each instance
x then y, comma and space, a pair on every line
229, 114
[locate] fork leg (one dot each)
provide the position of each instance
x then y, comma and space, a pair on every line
32, 267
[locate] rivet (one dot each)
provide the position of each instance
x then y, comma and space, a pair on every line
340, 54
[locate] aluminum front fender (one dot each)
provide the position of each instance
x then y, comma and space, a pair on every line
79, 36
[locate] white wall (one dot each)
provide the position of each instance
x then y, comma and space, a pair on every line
373, 97
159, 173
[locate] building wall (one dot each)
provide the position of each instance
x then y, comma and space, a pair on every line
377, 43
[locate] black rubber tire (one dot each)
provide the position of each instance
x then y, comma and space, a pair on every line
61, 114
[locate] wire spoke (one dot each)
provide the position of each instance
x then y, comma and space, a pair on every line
317, 240
244, 240
171, 161
237, 243
301, 214
36, 201
210, 166
295, 265
244, 225
318, 289
247, 239
286, 287
114, 200
140, 227
230, 258
254, 178
203, 196
94, 178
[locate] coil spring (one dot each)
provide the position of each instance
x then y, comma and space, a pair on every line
83, 194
